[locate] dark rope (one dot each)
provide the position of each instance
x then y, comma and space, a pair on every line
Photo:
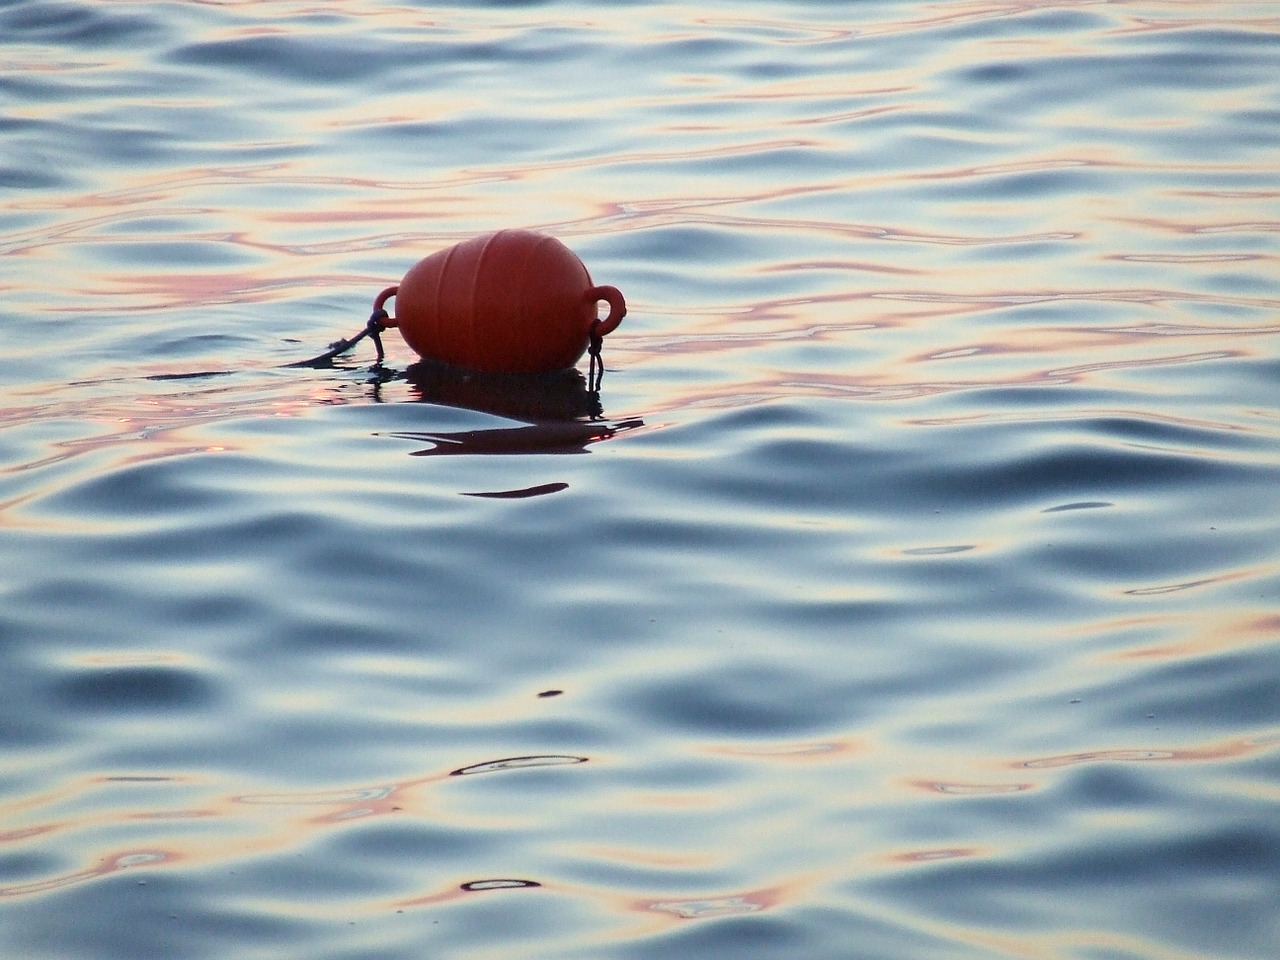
595, 369
373, 330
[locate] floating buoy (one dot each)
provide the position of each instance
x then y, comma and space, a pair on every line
514, 301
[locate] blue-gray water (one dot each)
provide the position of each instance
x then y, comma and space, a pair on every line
908, 591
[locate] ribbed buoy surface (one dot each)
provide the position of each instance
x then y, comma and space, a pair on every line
514, 301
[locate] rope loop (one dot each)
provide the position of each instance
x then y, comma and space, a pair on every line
378, 321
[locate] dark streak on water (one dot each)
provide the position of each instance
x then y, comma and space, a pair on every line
911, 590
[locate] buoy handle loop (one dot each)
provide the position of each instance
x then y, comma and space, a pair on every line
617, 309
379, 303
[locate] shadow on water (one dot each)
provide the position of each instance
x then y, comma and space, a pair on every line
559, 413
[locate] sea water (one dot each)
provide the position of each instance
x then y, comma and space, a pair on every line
908, 589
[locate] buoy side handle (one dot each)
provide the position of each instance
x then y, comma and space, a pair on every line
379, 303
617, 308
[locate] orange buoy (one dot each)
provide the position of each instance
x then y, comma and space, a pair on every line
514, 301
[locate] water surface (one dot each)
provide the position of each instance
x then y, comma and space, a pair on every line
908, 589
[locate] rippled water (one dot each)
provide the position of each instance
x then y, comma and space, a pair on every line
910, 591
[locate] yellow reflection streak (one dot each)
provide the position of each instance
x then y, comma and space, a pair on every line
1212, 635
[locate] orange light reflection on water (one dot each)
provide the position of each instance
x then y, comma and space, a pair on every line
138, 425
800, 752
1213, 634
277, 822
1234, 749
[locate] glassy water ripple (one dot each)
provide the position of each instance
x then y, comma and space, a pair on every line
909, 588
